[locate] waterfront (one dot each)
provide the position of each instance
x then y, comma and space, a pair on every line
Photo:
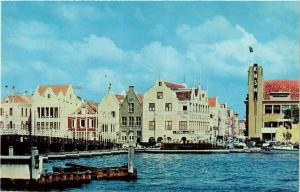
194, 172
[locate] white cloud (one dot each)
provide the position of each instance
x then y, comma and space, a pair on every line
217, 44
78, 12
223, 47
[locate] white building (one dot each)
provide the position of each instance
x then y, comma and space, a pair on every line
173, 112
51, 105
108, 117
15, 112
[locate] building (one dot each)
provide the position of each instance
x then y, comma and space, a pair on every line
15, 112
108, 117
173, 112
82, 123
266, 102
131, 113
214, 112
51, 106
242, 127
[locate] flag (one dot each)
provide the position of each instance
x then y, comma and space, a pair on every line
251, 49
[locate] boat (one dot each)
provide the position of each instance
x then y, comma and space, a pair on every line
279, 149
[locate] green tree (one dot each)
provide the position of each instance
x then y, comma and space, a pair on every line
292, 113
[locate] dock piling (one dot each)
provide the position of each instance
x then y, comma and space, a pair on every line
34, 163
131, 159
11, 151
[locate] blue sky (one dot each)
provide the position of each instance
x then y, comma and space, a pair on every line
90, 44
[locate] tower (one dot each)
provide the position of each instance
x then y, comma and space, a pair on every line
255, 107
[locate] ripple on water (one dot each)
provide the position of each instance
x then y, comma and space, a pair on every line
194, 172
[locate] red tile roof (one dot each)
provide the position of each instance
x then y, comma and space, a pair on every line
291, 86
174, 86
140, 97
92, 107
212, 102
120, 98
184, 95
55, 88
21, 99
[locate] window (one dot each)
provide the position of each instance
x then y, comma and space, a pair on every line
268, 109
51, 125
168, 107
39, 112
82, 123
276, 109
42, 125
151, 106
138, 121
182, 125
151, 125
1, 111
130, 107
184, 108
73, 122
131, 121
38, 125
124, 121
113, 114
168, 125
159, 95
10, 111
51, 112
56, 112
49, 96
25, 112
47, 112
22, 113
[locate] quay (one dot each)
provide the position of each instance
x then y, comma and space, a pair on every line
26, 172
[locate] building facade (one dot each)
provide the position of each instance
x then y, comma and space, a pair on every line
173, 112
82, 123
108, 118
131, 114
51, 106
15, 113
265, 105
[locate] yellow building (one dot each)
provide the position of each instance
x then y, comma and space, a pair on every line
265, 105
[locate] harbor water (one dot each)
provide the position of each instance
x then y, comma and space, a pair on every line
198, 172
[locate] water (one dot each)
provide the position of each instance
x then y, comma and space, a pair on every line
199, 172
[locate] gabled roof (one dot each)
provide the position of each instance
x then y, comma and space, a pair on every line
140, 97
184, 95
174, 86
212, 101
55, 88
120, 98
92, 107
17, 98
271, 86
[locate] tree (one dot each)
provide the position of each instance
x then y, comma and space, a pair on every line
292, 113
287, 136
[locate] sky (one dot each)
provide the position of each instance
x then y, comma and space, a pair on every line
92, 44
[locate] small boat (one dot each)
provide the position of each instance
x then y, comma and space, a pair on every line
279, 149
